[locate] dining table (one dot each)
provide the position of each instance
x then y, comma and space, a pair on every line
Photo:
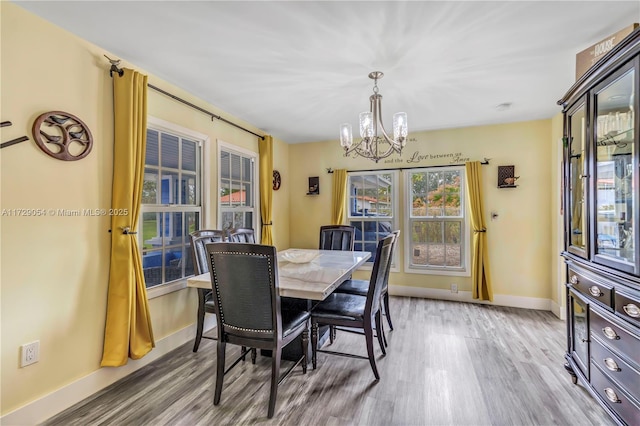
307, 276
306, 273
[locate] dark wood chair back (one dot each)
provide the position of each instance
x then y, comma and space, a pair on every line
199, 239
380, 272
245, 290
242, 235
337, 237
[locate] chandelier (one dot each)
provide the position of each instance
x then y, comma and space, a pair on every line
376, 143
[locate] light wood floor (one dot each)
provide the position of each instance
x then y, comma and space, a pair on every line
448, 363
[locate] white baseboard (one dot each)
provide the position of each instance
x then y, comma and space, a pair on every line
466, 296
49, 405
558, 310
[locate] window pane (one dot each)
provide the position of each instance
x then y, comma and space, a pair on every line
151, 236
452, 206
173, 267
435, 254
452, 232
225, 165
191, 222
246, 195
237, 194
169, 188
454, 256
152, 153
150, 187
248, 220
169, 144
238, 220
152, 267
435, 200
225, 192
227, 220
188, 155
188, 189
235, 167
173, 228
247, 170
434, 232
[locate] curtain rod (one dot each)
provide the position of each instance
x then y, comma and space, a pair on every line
484, 162
116, 69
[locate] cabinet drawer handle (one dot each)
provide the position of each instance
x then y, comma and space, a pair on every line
611, 395
573, 279
610, 333
632, 310
595, 291
611, 364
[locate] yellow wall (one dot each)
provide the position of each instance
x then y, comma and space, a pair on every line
54, 270
519, 240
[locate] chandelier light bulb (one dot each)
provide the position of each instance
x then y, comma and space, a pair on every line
366, 124
346, 135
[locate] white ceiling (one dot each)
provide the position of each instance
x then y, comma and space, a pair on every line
298, 69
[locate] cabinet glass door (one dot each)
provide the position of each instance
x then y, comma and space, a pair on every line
576, 214
615, 196
580, 332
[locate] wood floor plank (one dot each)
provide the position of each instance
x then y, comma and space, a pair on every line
448, 363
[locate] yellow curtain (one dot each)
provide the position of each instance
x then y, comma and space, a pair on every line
339, 193
265, 147
480, 263
128, 331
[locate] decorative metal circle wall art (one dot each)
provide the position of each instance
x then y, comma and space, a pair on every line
62, 135
277, 180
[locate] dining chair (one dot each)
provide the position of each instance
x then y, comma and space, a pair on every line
242, 235
245, 283
361, 287
354, 311
205, 298
337, 237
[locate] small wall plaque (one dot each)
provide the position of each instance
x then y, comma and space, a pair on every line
506, 177
314, 186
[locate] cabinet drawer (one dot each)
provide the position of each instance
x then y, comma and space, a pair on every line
594, 289
615, 336
615, 368
614, 397
628, 306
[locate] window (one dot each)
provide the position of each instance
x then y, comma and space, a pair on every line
171, 202
437, 223
237, 185
371, 208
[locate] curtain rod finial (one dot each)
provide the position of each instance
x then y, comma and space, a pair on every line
114, 66
329, 170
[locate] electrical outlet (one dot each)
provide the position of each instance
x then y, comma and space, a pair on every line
454, 288
30, 353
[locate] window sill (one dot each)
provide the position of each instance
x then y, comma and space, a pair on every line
163, 289
428, 271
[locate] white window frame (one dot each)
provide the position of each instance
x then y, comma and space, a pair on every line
227, 147
395, 222
202, 141
465, 270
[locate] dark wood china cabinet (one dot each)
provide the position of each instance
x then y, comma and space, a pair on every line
601, 187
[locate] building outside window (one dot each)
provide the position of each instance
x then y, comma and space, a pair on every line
237, 184
437, 224
171, 203
372, 208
